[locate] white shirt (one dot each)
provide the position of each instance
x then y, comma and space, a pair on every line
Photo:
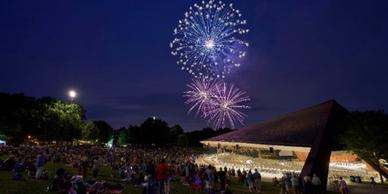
316, 181
306, 179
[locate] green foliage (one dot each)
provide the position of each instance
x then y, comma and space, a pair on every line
57, 120
49, 119
89, 131
61, 121
104, 131
123, 136
366, 134
46, 119
97, 131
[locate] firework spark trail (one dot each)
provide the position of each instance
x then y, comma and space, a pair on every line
208, 40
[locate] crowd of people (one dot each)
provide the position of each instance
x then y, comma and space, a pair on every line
293, 183
139, 166
150, 168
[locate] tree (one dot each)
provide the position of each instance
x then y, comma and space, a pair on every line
115, 138
182, 140
134, 135
47, 119
60, 121
105, 131
16, 116
123, 136
175, 132
89, 131
366, 134
155, 131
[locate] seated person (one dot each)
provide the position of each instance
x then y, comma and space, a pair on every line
59, 183
9, 163
18, 171
30, 168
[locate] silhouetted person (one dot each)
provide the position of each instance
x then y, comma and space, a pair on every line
162, 177
316, 183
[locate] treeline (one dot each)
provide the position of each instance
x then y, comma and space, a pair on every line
24, 118
158, 132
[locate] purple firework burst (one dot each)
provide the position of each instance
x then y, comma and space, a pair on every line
200, 95
226, 105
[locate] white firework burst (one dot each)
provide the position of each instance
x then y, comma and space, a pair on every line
208, 40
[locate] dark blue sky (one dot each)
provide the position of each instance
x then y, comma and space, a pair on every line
116, 54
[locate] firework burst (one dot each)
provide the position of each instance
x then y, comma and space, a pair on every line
208, 40
200, 95
226, 106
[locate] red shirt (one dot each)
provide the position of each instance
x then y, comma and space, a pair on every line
162, 172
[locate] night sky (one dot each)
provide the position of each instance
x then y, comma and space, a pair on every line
116, 55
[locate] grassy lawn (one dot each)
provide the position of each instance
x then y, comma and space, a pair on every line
32, 186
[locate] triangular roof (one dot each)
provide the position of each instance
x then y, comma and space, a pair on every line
293, 129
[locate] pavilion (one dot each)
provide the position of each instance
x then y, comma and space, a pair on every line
310, 134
